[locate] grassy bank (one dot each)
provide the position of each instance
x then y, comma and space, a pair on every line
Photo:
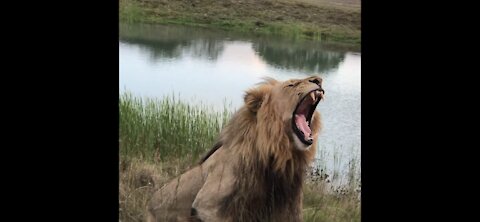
299, 18
161, 138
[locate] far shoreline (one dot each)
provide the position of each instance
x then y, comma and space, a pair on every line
340, 25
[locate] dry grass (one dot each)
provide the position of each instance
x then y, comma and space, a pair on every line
139, 179
342, 4
322, 204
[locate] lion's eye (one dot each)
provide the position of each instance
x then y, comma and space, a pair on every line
293, 85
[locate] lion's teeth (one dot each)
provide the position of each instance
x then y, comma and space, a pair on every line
312, 94
320, 94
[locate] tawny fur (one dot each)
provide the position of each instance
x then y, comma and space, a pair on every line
255, 170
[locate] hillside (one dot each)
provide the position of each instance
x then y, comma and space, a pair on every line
331, 20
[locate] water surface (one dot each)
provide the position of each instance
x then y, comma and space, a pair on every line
211, 67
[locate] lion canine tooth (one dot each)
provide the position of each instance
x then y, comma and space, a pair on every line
312, 94
320, 94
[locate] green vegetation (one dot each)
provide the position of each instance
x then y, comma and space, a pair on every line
299, 18
130, 11
167, 128
162, 138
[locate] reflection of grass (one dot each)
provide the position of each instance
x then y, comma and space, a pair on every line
296, 19
160, 139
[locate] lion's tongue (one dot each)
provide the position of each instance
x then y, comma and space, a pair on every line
302, 125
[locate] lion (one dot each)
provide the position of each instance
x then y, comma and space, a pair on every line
255, 170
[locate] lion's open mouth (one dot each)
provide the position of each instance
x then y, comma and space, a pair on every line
303, 113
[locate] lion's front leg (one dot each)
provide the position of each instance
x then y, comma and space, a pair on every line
174, 200
219, 183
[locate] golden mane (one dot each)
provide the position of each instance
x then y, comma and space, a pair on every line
261, 132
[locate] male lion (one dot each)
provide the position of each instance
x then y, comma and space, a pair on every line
255, 170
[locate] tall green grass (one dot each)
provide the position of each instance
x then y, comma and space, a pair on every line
167, 128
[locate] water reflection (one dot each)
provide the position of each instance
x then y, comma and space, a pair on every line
169, 42
310, 57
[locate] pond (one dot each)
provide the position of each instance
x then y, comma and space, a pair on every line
216, 67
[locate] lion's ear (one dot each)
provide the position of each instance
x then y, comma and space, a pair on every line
254, 97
